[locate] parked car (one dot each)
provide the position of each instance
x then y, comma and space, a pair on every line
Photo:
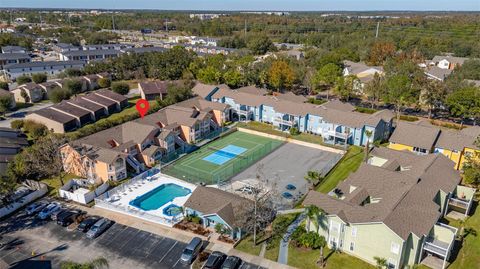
98, 228
215, 260
87, 223
191, 251
232, 262
68, 217
35, 207
57, 213
48, 210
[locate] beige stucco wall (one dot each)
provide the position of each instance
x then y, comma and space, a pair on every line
51, 125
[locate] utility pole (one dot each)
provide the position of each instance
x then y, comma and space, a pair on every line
166, 25
113, 20
376, 33
245, 30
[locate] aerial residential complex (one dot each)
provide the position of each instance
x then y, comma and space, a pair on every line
390, 207
335, 121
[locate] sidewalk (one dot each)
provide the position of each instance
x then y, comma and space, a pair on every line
283, 251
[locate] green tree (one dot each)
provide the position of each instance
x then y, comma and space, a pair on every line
24, 95
432, 94
233, 78
464, 103
39, 77
57, 94
399, 92
316, 217
34, 129
381, 262
4, 85
98, 263
73, 72
280, 75
104, 82
120, 87
5, 104
327, 75
23, 79
374, 89
314, 178
209, 75
260, 45
74, 86
345, 87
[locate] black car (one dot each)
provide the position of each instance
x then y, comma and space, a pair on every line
215, 260
68, 217
85, 225
232, 262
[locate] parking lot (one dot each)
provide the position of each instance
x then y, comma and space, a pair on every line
30, 243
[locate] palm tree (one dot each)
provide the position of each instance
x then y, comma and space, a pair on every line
314, 178
369, 134
315, 217
381, 262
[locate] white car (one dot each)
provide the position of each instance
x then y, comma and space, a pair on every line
35, 207
48, 210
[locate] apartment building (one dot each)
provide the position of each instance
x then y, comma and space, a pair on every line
143, 142
424, 138
11, 142
13, 58
335, 121
50, 68
72, 114
390, 208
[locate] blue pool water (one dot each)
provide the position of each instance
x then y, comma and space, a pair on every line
224, 155
159, 196
172, 210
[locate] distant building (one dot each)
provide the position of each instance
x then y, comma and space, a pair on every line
13, 49
64, 47
51, 68
204, 16
151, 90
107, 47
363, 72
89, 55
447, 62
14, 58
28, 93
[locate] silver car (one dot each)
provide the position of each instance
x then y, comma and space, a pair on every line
35, 207
48, 210
98, 228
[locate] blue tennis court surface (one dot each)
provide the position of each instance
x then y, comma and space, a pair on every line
224, 155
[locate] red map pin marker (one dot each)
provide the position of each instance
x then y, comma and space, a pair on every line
142, 107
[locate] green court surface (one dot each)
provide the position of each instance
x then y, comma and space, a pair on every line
194, 169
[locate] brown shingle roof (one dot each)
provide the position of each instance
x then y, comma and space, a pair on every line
110, 95
415, 134
209, 200
158, 86
65, 107
405, 197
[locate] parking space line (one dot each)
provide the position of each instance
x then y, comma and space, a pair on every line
170, 249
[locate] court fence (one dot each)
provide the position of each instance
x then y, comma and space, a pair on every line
226, 171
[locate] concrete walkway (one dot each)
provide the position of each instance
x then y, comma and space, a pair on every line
283, 251
21, 113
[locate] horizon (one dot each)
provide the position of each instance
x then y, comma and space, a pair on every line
259, 6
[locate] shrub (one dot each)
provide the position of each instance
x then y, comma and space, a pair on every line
58, 94
23, 79
408, 118
34, 129
104, 82
73, 85
316, 101
365, 110
16, 124
120, 87
73, 72
298, 233
294, 131
311, 240
4, 85
39, 77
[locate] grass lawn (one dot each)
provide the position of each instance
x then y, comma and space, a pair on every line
469, 254
349, 163
221, 165
247, 246
54, 184
306, 259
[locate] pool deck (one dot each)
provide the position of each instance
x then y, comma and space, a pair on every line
124, 195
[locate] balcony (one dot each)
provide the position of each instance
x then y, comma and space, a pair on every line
283, 122
338, 135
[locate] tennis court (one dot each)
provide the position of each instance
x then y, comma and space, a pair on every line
222, 159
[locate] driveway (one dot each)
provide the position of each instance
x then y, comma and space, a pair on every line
21, 113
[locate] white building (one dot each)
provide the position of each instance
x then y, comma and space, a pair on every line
12, 71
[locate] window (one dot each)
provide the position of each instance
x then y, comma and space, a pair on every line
354, 231
395, 248
352, 246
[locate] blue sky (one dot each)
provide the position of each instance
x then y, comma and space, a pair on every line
309, 5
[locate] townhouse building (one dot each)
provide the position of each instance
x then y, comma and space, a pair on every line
14, 49
89, 55
142, 142
157, 89
391, 207
424, 138
13, 58
363, 72
335, 121
50, 68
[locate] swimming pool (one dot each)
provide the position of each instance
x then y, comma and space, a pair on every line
159, 196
